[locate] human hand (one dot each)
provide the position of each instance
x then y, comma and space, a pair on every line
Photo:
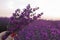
8, 38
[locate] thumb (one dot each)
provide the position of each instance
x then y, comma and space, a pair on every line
2, 34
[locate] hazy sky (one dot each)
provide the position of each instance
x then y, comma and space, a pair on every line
50, 8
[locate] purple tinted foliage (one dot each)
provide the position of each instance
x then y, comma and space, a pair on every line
28, 28
4, 20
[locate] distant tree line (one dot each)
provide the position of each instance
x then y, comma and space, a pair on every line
3, 23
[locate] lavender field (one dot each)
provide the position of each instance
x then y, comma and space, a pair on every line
38, 30
41, 30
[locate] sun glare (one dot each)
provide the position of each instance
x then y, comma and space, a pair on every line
10, 4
